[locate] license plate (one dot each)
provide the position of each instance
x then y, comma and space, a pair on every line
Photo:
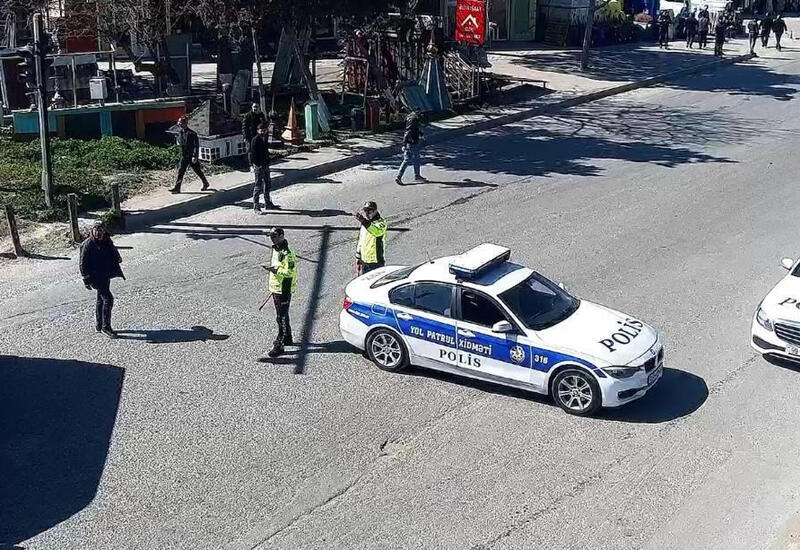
793, 350
654, 376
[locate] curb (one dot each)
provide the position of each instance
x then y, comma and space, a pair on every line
134, 221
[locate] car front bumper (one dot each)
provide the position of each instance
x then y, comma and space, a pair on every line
617, 392
766, 342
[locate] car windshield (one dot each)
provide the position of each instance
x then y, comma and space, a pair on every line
396, 275
539, 303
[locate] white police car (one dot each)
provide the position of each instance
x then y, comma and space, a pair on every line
482, 316
776, 323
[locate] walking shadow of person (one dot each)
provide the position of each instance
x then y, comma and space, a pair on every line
172, 336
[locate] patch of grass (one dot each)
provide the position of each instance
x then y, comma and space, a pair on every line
81, 167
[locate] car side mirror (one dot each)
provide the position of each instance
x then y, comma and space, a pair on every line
502, 326
787, 263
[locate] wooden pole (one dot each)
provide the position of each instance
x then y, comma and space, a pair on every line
12, 228
72, 206
116, 204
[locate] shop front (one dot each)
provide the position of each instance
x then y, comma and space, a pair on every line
512, 19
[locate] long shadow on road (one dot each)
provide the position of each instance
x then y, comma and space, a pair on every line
56, 419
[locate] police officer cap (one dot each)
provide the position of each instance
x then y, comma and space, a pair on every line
370, 205
275, 231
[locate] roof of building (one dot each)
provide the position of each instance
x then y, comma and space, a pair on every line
211, 120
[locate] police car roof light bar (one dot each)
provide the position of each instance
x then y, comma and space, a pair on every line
472, 264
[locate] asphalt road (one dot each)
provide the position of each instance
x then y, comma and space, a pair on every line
674, 204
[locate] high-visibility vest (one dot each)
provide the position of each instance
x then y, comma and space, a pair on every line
372, 242
286, 262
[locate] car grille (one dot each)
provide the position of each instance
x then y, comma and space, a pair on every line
654, 362
788, 333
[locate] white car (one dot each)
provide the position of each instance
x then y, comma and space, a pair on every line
480, 315
776, 323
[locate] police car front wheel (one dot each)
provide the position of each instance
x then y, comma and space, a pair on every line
387, 351
576, 392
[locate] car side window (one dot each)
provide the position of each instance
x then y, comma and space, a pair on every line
403, 296
479, 310
434, 298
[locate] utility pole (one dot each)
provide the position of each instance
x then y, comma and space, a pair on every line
39, 53
262, 100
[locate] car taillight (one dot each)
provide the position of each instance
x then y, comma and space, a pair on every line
347, 302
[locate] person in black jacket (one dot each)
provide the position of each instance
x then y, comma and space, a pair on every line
766, 28
753, 32
691, 30
778, 27
703, 26
259, 160
411, 144
190, 151
250, 124
99, 263
664, 21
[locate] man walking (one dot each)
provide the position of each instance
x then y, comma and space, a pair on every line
719, 35
250, 123
371, 239
691, 30
259, 160
766, 28
664, 21
190, 151
778, 27
282, 284
411, 144
752, 31
99, 263
703, 26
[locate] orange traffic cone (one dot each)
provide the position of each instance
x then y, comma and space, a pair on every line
292, 131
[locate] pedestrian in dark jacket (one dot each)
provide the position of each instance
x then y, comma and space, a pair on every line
99, 263
766, 28
259, 160
691, 30
664, 21
703, 26
250, 124
778, 27
190, 151
753, 31
411, 145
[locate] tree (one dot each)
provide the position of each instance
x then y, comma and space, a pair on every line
587, 35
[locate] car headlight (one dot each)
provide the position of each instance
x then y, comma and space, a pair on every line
763, 320
621, 372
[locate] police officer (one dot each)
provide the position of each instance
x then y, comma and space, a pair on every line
664, 21
190, 151
371, 239
282, 284
766, 28
259, 160
251, 122
99, 263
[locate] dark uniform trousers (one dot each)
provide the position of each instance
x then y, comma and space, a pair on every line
282, 302
105, 302
366, 268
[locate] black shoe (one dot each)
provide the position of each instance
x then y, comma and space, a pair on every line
420, 178
269, 205
108, 331
98, 328
204, 188
288, 343
398, 181
275, 352
175, 190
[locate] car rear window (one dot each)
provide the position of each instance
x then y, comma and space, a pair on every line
394, 276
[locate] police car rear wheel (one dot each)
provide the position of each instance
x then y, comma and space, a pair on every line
576, 392
387, 351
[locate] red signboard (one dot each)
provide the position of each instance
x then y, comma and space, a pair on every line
471, 21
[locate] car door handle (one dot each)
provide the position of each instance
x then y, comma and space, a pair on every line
404, 316
466, 334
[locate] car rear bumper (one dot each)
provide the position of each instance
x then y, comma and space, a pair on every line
354, 332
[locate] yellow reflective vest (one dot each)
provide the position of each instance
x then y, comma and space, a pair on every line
372, 241
285, 277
